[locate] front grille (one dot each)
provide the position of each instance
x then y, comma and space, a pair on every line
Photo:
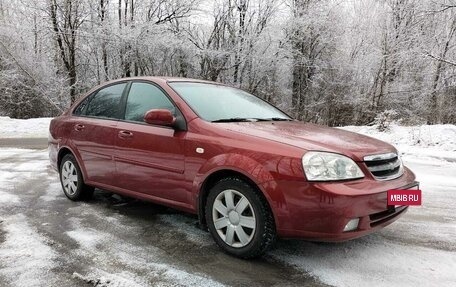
384, 166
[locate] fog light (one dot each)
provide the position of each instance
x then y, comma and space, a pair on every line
352, 225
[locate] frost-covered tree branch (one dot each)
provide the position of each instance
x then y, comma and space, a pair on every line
332, 62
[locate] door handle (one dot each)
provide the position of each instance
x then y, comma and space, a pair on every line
125, 134
78, 127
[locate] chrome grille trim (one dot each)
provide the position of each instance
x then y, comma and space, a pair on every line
382, 156
384, 166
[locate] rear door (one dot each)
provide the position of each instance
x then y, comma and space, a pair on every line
94, 132
149, 159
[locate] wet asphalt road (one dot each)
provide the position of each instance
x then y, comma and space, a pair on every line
29, 143
47, 240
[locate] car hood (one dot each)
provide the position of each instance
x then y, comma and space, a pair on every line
313, 137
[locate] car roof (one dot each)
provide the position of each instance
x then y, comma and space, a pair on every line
164, 79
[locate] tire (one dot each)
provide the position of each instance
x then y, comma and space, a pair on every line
71, 179
244, 226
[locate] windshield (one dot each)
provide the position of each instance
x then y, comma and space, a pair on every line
220, 103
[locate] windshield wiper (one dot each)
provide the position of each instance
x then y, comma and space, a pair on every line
274, 119
230, 120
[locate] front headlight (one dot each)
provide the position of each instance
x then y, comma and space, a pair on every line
325, 166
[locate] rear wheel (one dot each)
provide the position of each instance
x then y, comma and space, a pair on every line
71, 179
239, 218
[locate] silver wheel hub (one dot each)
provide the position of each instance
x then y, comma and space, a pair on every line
234, 218
69, 176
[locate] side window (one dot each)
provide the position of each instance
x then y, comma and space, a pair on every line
80, 108
144, 97
106, 102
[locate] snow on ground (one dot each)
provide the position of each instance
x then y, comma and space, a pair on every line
373, 262
102, 278
25, 257
11, 170
8, 198
108, 248
105, 279
435, 141
31, 128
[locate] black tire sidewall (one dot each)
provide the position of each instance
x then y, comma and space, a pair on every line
258, 208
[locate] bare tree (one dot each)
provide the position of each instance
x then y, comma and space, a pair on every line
330, 62
434, 115
66, 18
309, 39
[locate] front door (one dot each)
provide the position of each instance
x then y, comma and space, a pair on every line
149, 159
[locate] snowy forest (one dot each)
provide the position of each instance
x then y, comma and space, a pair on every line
331, 62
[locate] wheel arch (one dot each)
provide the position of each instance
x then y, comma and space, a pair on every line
64, 150
216, 176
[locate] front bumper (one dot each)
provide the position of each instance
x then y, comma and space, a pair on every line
320, 211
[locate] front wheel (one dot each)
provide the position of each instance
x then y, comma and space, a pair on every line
71, 179
239, 219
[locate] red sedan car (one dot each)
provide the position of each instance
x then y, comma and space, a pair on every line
249, 171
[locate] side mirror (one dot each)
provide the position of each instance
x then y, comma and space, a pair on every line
159, 117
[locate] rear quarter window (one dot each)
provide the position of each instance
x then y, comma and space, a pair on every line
81, 107
105, 103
